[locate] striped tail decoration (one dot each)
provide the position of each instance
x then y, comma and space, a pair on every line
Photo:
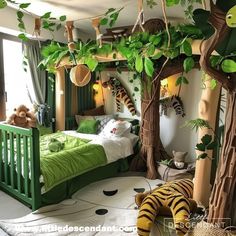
120, 94
178, 106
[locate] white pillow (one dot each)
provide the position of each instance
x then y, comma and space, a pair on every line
116, 128
132, 137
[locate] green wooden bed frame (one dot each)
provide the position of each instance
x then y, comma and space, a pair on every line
20, 178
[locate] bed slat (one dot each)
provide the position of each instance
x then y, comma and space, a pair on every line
26, 166
5, 144
12, 161
18, 157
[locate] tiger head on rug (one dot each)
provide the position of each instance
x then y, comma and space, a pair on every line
171, 199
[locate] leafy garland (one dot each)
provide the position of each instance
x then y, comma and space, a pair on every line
141, 50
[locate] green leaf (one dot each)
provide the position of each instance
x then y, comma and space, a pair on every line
62, 18
139, 63
155, 39
206, 139
170, 3
20, 14
103, 21
3, 4
178, 81
110, 10
151, 50
215, 60
148, 66
188, 64
202, 156
228, 66
157, 56
21, 26
184, 80
212, 145
46, 15
23, 37
213, 83
91, 63
186, 48
181, 80
200, 147
24, 5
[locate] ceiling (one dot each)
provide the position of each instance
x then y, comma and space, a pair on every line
80, 10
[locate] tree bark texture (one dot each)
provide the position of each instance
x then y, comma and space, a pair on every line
222, 201
150, 130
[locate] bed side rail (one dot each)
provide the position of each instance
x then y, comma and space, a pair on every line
20, 164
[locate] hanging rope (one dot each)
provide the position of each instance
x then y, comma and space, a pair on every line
71, 44
37, 28
96, 24
140, 18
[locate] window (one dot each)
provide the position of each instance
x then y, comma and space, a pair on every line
17, 81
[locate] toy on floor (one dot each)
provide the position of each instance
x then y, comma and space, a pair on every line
22, 117
172, 198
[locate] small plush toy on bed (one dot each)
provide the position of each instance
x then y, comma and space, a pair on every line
22, 117
170, 199
54, 145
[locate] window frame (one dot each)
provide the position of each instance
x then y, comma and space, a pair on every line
2, 78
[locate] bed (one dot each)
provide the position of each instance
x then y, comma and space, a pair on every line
23, 160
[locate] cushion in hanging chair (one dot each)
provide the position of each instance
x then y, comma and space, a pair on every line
80, 75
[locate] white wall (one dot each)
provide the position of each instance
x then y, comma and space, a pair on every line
173, 137
8, 24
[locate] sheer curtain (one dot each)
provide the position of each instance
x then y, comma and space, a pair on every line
38, 77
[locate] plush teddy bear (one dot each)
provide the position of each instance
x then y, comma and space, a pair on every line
171, 199
22, 118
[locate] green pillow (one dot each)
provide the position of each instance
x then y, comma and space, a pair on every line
88, 126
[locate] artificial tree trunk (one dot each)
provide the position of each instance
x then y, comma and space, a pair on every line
222, 202
152, 149
208, 107
150, 130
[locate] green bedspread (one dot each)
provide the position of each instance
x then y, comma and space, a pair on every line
77, 157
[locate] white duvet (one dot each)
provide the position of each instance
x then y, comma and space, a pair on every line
115, 147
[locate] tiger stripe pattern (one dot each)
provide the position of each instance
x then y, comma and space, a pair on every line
175, 195
177, 104
120, 94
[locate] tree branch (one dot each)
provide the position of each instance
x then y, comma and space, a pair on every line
217, 19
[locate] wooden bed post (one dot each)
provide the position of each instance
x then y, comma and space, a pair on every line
208, 107
60, 99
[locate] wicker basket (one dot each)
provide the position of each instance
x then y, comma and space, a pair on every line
207, 229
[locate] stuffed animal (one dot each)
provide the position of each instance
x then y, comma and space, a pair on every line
179, 159
172, 198
55, 145
22, 118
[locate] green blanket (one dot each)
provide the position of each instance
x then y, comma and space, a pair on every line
77, 156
